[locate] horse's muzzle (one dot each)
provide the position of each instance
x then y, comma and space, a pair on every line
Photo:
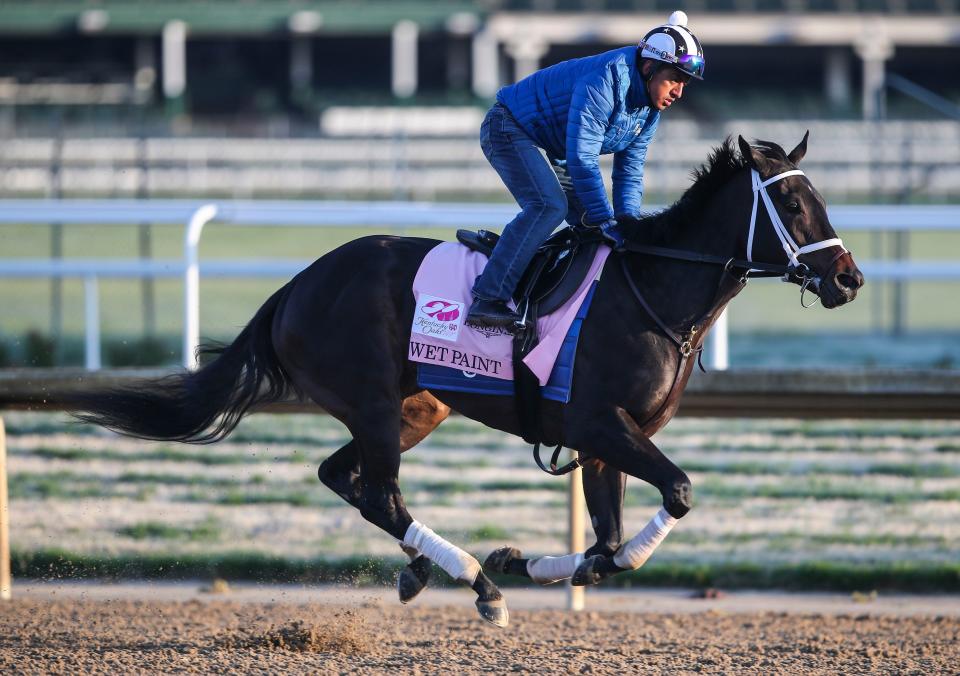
841, 284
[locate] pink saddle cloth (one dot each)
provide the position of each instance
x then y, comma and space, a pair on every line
439, 336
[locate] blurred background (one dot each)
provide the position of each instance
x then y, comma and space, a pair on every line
366, 100
119, 119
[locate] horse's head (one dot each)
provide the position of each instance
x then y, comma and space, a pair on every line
806, 237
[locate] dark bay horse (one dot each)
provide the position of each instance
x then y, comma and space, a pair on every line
338, 334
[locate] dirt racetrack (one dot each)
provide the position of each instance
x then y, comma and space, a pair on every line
86, 633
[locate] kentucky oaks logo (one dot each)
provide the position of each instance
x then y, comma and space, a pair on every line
441, 310
437, 317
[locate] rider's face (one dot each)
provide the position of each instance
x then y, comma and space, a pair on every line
666, 86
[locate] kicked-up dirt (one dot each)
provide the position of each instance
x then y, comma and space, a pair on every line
219, 635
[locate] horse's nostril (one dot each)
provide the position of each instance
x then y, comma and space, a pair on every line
847, 281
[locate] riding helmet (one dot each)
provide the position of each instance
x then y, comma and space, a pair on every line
673, 43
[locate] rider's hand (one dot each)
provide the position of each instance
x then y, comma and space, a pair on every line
613, 235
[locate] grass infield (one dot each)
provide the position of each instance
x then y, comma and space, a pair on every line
52, 564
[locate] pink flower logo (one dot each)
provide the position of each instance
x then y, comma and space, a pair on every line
440, 310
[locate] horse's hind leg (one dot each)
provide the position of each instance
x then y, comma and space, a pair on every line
420, 415
376, 428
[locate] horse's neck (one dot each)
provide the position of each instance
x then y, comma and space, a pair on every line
689, 292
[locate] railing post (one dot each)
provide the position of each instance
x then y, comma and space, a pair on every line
719, 344
191, 283
899, 300
5, 584
91, 313
575, 537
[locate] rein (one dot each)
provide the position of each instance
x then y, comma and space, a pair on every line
753, 269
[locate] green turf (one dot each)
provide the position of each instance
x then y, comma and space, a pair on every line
55, 564
767, 518
226, 305
206, 531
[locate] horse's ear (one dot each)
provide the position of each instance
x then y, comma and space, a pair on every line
753, 157
797, 153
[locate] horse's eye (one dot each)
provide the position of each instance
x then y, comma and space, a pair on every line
793, 207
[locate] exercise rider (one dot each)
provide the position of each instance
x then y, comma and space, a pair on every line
575, 111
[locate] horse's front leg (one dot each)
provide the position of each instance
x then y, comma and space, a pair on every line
615, 439
603, 488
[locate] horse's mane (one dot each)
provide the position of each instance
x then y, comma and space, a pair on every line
708, 178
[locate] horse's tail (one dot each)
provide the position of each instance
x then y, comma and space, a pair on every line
201, 406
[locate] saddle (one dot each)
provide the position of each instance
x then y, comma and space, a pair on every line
554, 274
557, 269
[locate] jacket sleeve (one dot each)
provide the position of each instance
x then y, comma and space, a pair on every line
628, 172
590, 108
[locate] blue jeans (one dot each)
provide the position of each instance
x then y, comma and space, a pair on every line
534, 183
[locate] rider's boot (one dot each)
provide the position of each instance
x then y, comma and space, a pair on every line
491, 314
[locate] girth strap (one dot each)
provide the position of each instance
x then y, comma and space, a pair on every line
566, 469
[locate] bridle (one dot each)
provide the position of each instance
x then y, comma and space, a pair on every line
793, 270
790, 247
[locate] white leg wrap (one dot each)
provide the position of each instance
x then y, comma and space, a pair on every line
456, 562
411, 552
635, 553
550, 569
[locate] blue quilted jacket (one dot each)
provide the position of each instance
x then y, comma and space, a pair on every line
580, 109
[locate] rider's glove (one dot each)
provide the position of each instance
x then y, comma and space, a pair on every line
613, 235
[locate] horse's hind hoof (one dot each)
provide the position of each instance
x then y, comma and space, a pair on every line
413, 578
499, 559
495, 612
590, 571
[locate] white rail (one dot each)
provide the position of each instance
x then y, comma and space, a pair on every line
386, 215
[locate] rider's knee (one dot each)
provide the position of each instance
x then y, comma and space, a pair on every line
556, 210
550, 207
678, 496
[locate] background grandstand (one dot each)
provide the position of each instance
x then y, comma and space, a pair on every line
369, 99
363, 97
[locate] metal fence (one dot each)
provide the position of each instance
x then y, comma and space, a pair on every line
390, 216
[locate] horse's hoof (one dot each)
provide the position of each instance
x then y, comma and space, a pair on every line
499, 559
588, 572
413, 578
495, 612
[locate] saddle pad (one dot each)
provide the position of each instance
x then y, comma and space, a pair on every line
439, 336
558, 387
